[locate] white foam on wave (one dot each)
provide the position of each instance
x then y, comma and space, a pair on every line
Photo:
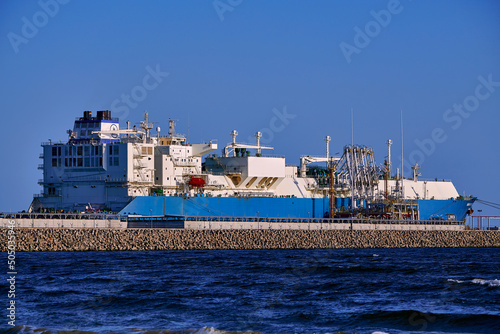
24, 329
491, 282
380, 333
207, 330
454, 280
211, 330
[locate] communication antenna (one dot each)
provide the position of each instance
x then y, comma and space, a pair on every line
402, 161
352, 131
171, 127
389, 163
352, 162
234, 133
327, 140
146, 125
258, 135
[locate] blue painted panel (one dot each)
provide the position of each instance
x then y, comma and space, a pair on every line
253, 207
270, 207
154, 205
228, 206
441, 208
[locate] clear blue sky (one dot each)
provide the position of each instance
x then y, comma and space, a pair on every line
230, 63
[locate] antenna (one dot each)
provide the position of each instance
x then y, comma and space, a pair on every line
327, 140
146, 125
234, 133
402, 160
258, 135
389, 163
352, 131
416, 174
352, 162
171, 127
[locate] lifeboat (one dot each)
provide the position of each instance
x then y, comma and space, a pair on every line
197, 182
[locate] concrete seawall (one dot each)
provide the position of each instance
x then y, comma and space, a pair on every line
232, 223
89, 239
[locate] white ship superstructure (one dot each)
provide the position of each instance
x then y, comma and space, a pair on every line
103, 167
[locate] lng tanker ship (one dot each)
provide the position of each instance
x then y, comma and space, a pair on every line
132, 172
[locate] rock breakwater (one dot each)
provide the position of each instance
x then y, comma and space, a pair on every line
62, 239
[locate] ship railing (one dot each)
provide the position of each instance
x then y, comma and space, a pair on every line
60, 142
308, 220
185, 163
314, 157
272, 156
110, 119
229, 221
62, 215
484, 222
434, 180
211, 141
212, 173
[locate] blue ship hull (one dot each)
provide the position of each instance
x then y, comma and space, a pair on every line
441, 209
272, 207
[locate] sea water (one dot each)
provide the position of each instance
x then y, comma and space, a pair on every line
259, 291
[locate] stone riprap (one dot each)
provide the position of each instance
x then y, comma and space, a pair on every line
88, 239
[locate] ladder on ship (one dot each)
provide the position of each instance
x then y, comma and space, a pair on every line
139, 168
